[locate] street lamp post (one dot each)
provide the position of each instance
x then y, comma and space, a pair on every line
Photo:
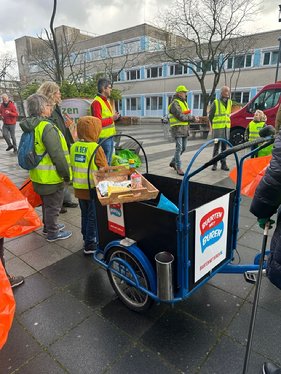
279, 50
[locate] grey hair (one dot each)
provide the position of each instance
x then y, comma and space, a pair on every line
36, 104
103, 83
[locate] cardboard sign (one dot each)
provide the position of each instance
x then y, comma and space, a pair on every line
76, 108
211, 224
115, 217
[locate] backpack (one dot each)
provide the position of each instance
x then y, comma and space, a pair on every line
27, 157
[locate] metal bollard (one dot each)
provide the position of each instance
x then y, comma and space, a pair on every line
164, 261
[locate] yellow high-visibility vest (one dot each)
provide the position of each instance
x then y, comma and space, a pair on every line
254, 129
46, 172
80, 154
173, 120
221, 118
106, 113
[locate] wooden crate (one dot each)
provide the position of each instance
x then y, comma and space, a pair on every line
119, 174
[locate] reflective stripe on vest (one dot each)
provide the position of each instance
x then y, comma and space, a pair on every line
221, 118
46, 172
108, 130
173, 120
254, 129
80, 154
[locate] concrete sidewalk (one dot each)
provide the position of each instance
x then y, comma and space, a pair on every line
68, 319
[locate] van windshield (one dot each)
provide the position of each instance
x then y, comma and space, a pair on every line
266, 100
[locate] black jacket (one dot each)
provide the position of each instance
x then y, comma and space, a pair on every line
265, 203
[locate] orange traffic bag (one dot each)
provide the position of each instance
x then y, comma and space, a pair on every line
7, 306
17, 217
253, 171
27, 190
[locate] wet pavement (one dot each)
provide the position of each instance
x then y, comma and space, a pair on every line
69, 320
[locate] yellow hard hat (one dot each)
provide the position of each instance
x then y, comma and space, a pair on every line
181, 89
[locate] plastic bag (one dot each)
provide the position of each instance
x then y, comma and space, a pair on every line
117, 161
27, 190
127, 155
7, 306
17, 217
253, 170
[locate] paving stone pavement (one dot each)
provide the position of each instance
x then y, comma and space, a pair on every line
69, 320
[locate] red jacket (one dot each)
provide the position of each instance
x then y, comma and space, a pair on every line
9, 113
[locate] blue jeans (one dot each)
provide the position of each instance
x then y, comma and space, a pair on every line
108, 148
88, 222
180, 148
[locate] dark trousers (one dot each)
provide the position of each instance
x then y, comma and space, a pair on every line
88, 221
51, 206
217, 146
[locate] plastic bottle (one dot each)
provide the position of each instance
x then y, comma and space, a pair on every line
132, 166
136, 181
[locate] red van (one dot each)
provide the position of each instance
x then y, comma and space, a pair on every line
267, 99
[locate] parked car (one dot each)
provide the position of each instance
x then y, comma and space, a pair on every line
267, 99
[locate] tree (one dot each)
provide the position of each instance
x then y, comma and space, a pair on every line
208, 33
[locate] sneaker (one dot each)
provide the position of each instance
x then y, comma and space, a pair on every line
214, 167
90, 249
9, 148
172, 165
180, 171
269, 368
63, 210
60, 236
69, 204
61, 226
15, 281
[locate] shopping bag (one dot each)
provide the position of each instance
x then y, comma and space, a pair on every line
17, 216
7, 306
27, 190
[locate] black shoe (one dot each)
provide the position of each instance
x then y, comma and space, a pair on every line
9, 148
269, 368
15, 281
90, 249
173, 165
63, 210
214, 167
70, 204
224, 167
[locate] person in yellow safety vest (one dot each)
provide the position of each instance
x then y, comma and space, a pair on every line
252, 133
54, 170
88, 131
219, 117
179, 118
102, 109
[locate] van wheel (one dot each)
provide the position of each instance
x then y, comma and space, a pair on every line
237, 136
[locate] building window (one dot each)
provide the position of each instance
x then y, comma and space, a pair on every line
113, 50
133, 104
270, 58
239, 62
241, 97
133, 74
132, 47
197, 101
154, 72
154, 103
178, 69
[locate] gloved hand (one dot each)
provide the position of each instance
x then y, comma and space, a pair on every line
262, 222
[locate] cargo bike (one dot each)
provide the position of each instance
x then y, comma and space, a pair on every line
156, 255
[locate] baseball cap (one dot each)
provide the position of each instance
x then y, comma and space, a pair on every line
181, 89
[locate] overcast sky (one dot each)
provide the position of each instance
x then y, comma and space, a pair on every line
28, 17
